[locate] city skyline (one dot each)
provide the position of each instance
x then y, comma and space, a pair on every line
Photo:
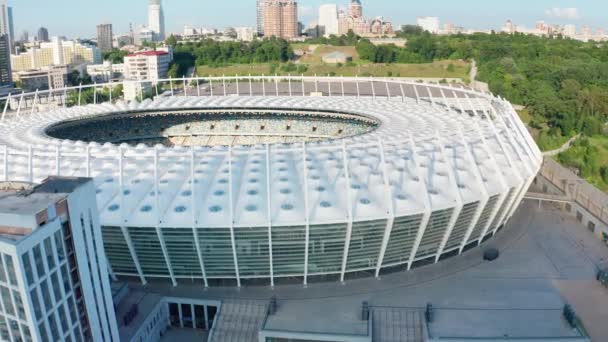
243, 13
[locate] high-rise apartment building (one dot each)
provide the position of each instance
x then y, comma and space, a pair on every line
156, 20
328, 20
147, 65
6, 23
104, 37
56, 52
43, 34
260, 5
54, 284
281, 19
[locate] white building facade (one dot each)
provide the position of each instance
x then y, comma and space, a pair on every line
51, 290
156, 20
147, 65
430, 24
328, 20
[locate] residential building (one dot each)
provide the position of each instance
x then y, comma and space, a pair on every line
50, 77
56, 52
144, 35
260, 6
105, 38
156, 20
281, 19
353, 20
328, 20
43, 34
6, 78
106, 71
54, 284
135, 90
245, 34
6, 23
147, 65
430, 24
570, 30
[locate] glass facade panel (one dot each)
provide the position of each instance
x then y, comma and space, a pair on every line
10, 269
72, 309
36, 304
326, 248
43, 334
53, 326
365, 244
435, 230
46, 295
401, 241
27, 266
216, 248
14, 326
48, 249
19, 305
462, 225
149, 252
182, 251
38, 261
63, 319
483, 219
7, 301
4, 329
59, 245
288, 245
66, 279
252, 251
2, 274
117, 250
56, 286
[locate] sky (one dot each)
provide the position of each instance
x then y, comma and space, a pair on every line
78, 18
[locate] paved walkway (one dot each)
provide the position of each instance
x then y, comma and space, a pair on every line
563, 148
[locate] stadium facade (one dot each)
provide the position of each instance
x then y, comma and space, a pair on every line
238, 185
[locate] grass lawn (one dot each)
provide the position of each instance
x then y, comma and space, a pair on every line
576, 154
432, 70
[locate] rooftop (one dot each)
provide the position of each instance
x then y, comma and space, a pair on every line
148, 53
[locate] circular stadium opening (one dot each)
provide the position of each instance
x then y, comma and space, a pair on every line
213, 126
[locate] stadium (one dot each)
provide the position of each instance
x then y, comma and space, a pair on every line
264, 180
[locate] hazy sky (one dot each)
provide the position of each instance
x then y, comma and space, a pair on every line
77, 18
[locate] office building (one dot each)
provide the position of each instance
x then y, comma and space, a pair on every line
105, 72
430, 24
43, 34
6, 23
6, 79
105, 37
328, 20
55, 284
281, 19
156, 20
245, 34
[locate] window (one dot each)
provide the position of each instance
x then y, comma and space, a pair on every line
66, 278
59, 245
15, 330
7, 300
591, 226
36, 304
38, 261
579, 216
19, 305
2, 274
48, 249
53, 326
63, 319
77, 334
72, 309
4, 329
27, 265
56, 286
10, 268
43, 334
46, 295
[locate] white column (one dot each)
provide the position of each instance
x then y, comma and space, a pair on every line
250, 86
329, 85
289, 80
276, 85
303, 87
388, 90
231, 207
390, 208
417, 95
161, 239
129, 243
224, 84
34, 102
357, 83
211, 86
263, 86
342, 85
20, 103
8, 100
95, 93
193, 218
198, 87
349, 211
79, 94
184, 82
269, 213
306, 212
402, 92
171, 85
373, 88
238, 92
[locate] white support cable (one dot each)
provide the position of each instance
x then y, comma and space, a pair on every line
80, 94
427, 205
34, 102
184, 85
455, 190
269, 213
250, 86
358, 90
197, 244
211, 87
306, 211
388, 90
6, 104
238, 91
20, 103
342, 85
171, 87
390, 208
276, 85
402, 92
417, 95
159, 233
349, 211
95, 93
224, 84
129, 242
231, 208
316, 84
329, 85
373, 88
428, 90
289, 81
263, 86
303, 87
198, 87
